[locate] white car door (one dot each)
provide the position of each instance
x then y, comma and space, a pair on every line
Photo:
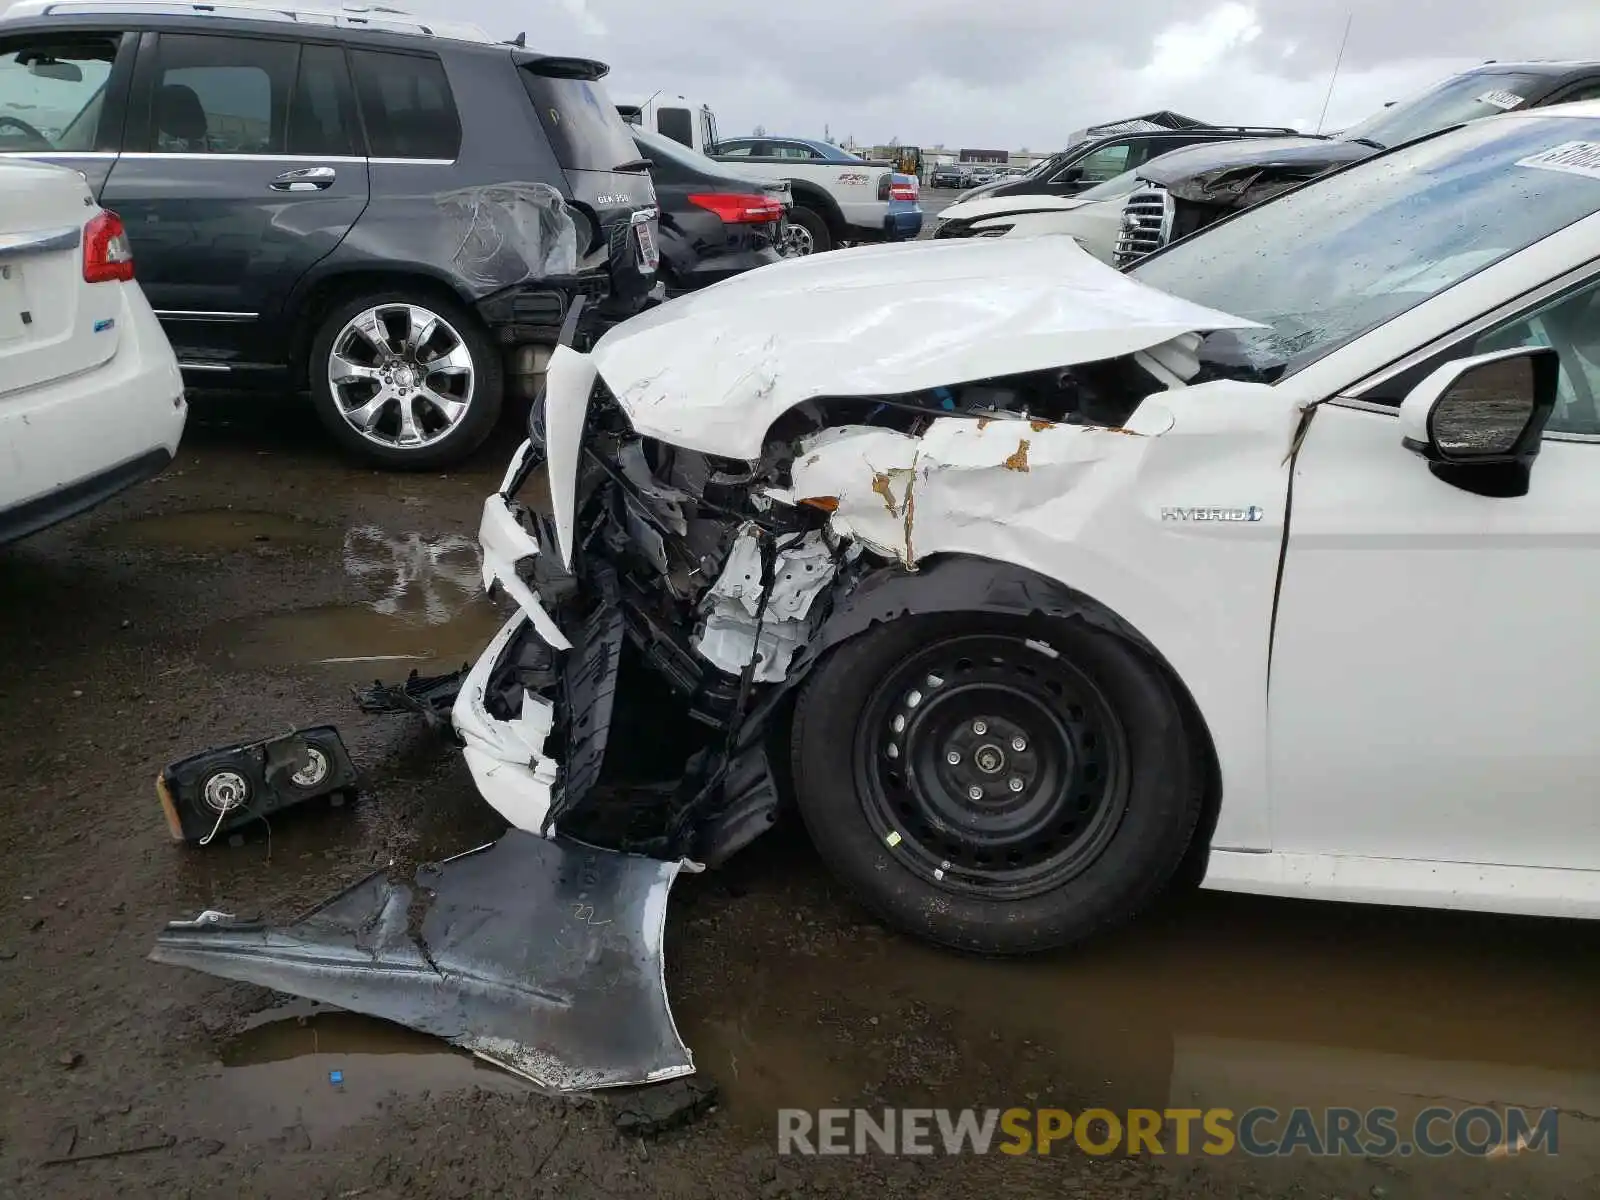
1435, 679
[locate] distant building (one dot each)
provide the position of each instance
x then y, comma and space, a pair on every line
985, 156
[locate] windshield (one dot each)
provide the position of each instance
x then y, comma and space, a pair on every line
1112, 189
1463, 98
1329, 261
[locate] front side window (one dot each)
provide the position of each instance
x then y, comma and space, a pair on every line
1569, 325
1100, 165
1327, 262
407, 106
52, 92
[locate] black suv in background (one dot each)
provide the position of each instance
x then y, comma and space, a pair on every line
394, 214
1094, 160
1187, 190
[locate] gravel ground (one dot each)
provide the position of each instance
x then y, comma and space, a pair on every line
198, 609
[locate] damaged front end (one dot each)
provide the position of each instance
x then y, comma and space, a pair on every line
725, 502
701, 532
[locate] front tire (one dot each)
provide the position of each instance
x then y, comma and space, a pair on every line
406, 380
996, 786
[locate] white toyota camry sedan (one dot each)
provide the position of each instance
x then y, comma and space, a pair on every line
1278, 555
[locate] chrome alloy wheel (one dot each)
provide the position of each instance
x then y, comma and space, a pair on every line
797, 241
401, 376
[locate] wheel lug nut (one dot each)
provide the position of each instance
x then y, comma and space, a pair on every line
980, 727
975, 793
1019, 744
952, 758
1016, 784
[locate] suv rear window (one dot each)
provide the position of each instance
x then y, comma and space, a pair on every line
585, 130
407, 106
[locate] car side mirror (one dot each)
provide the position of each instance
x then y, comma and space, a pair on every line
1479, 421
1071, 176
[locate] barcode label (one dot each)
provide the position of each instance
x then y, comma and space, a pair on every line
1501, 100
1573, 158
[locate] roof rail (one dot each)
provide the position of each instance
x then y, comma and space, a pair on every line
1257, 129
384, 19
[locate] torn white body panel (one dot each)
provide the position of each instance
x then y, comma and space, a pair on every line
1097, 509
711, 371
728, 637
507, 758
505, 543
568, 380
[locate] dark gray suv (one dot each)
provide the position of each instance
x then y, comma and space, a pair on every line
390, 213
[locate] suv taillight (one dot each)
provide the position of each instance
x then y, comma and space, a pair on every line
107, 255
736, 209
903, 189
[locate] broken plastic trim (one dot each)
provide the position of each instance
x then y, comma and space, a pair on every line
543, 956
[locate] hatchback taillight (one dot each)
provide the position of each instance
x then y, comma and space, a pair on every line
737, 209
107, 254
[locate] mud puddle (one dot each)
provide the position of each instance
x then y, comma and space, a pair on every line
353, 643
424, 609
1215, 1001
304, 1071
219, 530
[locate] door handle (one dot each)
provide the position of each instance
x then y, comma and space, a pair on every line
307, 179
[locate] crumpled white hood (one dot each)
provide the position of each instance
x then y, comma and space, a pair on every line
993, 206
712, 370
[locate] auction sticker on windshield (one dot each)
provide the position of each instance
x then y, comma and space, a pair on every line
1502, 100
1573, 158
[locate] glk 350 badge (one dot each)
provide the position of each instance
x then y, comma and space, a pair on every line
1253, 513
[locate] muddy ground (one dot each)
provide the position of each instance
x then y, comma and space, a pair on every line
204, 607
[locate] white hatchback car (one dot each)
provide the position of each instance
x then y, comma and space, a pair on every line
91, 400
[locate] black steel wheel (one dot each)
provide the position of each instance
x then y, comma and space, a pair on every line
996, 785
1000, 768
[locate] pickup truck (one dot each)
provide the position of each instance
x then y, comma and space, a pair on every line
838, 196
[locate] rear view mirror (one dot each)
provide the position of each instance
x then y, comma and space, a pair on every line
49, 68
1479, 421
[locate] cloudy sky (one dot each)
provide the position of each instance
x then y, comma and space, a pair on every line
1026, 73
1015, 73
